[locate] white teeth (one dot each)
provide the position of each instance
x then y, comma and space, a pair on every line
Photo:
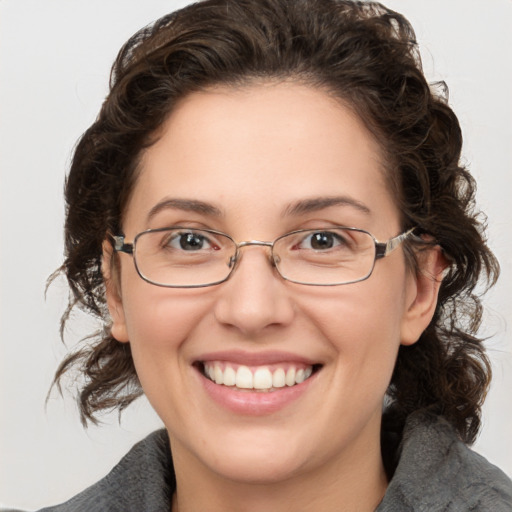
229, 376
244, 378
263, 377
290, 377
218, 375
278, 379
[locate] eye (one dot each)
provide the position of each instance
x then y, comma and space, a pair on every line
322, 241
189, 241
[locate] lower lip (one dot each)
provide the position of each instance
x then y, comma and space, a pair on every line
254, 403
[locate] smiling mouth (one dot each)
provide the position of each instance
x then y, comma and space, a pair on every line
258, 378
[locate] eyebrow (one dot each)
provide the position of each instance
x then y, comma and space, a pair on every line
298, 208
320, 203
188, 205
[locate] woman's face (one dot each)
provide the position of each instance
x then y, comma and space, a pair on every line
257, 162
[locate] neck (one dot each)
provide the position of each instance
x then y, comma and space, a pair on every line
344, 484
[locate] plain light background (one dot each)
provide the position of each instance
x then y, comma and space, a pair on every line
55, 57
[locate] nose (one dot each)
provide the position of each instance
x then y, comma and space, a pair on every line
255, 297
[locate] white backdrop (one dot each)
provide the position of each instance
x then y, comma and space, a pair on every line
54, 64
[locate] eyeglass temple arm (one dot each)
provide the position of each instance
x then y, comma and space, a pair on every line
385, 248
119, 245
382, 248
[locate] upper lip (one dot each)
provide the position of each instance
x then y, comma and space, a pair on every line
256, 358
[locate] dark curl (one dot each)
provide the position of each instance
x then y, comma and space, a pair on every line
359, 52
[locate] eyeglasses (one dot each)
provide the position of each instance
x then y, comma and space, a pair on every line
183, 257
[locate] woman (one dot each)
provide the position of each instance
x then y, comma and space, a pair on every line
271, 207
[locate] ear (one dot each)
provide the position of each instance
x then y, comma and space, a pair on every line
422, 293
113, 293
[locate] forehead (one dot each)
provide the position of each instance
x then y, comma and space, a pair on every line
259, 149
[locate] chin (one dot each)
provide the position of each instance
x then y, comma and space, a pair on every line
263, 455
257, 466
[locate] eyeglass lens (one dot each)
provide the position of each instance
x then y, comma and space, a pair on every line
184, 257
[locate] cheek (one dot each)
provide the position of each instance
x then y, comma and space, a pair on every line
362, 325
160, 323
160, 320
358, 308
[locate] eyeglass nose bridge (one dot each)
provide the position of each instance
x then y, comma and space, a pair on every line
236, 257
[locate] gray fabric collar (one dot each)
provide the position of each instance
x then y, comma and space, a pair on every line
436, 472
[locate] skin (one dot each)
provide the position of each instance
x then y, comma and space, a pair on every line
252, 153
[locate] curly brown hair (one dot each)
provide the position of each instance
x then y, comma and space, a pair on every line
360, 52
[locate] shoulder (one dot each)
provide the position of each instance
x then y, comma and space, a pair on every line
437, 471
142, 480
